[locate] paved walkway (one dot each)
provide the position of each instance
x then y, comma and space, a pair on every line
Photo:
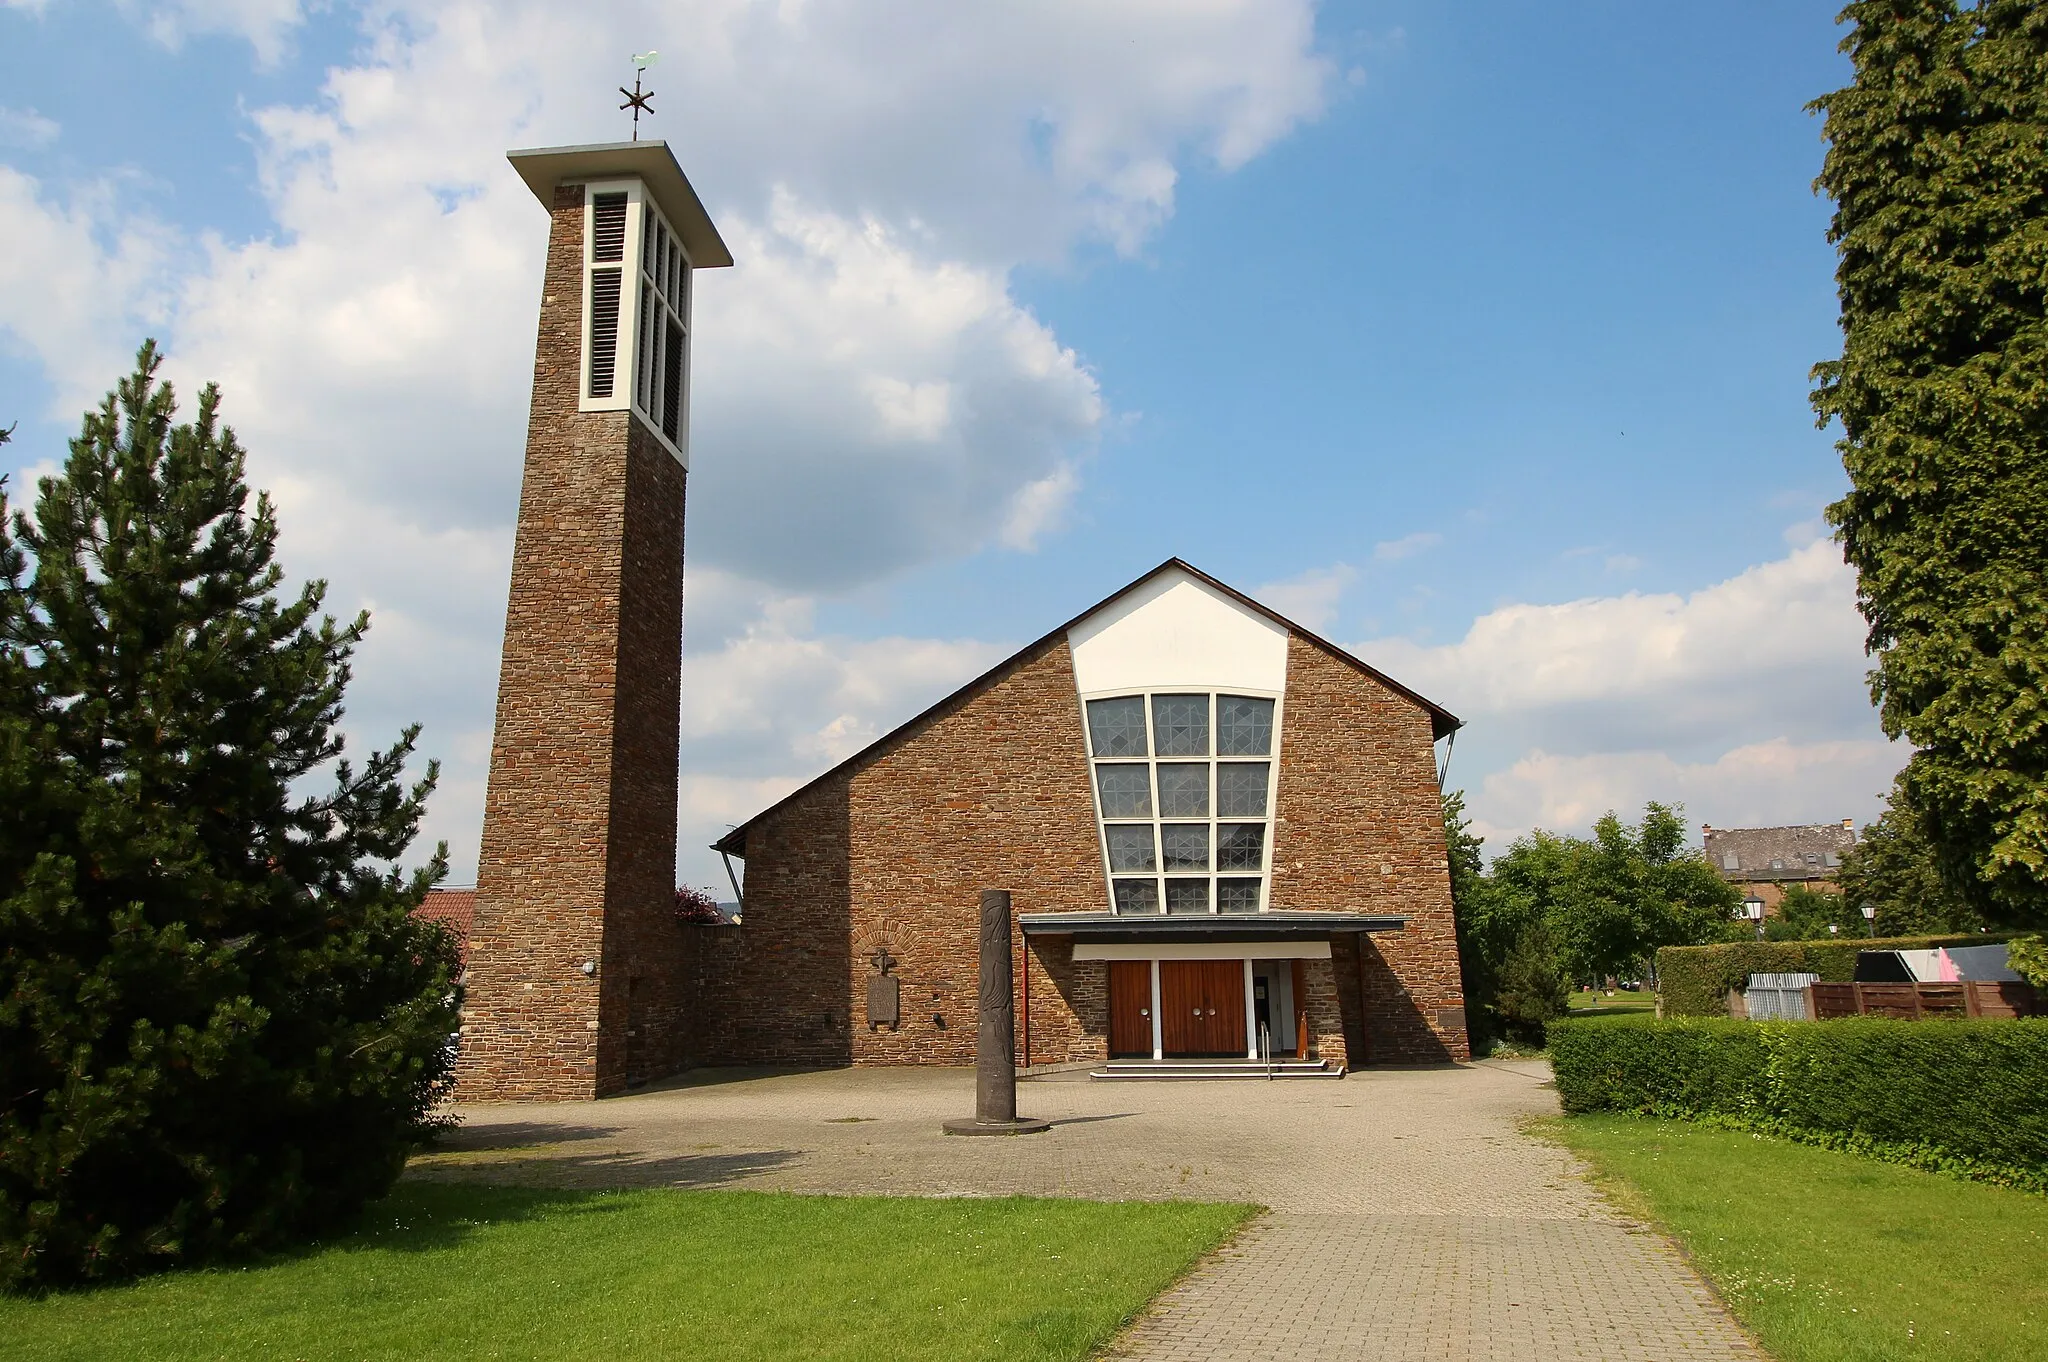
1409, 1217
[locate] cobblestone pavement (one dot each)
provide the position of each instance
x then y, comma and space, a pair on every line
1410, 1219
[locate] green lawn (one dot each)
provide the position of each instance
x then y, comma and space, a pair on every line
1829, 1257
447, 1270
1596, 1003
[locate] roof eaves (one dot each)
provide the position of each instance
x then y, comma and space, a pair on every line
1442, 721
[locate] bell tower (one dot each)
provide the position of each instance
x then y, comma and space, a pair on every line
575, 970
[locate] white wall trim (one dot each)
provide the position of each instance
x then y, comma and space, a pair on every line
1201, 950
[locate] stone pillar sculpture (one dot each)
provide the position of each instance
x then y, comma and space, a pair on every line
995, 1042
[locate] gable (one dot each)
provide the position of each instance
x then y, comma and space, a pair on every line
1175, 630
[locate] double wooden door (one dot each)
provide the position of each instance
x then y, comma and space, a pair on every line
1201, 1007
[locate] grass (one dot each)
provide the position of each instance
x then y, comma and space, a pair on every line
1828, 1257
450, 1270
1596, 1003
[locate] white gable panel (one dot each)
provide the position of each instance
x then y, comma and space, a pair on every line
1178, 632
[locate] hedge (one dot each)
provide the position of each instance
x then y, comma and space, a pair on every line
1958, 1096
1693, 981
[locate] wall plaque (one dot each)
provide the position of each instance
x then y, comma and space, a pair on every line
884, 991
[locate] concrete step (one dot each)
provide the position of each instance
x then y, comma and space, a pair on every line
1128, 1070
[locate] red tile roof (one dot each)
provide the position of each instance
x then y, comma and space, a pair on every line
453, 909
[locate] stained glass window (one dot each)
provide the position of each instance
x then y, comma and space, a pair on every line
1130, 847
1237, 896
1240, 846
1116, 728
1180, 724
1184, 789
1244, 726
1186, 845
1126, 790
1137, 896
1241, 788
1184, 818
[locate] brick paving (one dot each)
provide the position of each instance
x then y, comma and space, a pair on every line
1409, 1217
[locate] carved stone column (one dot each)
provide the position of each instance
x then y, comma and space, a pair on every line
995, 1043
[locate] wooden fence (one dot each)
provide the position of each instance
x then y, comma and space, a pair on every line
1923, 1002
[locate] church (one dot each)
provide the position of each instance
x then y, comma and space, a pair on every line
1221, 834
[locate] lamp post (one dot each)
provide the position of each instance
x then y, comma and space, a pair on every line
1753, 909
1870, 917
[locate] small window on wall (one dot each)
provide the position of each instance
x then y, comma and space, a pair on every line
1184, 789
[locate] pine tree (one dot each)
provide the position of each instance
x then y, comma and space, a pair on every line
1938, 165
220, 1025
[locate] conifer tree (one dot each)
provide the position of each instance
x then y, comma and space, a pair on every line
220, 1025
1938, 165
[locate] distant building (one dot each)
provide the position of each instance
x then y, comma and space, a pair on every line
453, 909
1762, 861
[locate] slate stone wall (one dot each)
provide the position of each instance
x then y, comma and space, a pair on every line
1360, 829
992, 793
578, 856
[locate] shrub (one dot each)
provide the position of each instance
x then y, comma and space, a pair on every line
697, 907
1532, 991
1693, 981
1962, 1096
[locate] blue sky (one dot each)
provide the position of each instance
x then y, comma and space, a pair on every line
1476, 339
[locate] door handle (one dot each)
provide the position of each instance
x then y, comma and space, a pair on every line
1144, 1011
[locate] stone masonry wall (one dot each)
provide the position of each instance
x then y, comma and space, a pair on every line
577, 860
1359, 828
992, 793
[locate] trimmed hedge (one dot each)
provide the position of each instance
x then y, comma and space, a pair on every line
1693, 981
1958, 1096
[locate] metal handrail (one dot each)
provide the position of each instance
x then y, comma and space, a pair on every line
1266, 1048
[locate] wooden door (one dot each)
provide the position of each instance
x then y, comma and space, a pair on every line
1130, 1008
1201, 1007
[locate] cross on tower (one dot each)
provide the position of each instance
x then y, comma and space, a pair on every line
636, 98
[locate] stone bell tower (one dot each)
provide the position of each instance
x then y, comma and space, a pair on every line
575, 972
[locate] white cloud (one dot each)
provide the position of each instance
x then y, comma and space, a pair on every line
1310, 598
775, 704
26, 128
1407, 546
869, 395
81, 279
266, 24
1765, 784
1745, 700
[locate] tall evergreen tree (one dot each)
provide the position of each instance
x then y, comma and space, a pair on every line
1938, 165
220, 1025
1892, 870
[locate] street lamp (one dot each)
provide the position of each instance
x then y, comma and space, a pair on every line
1870, 916
1753, 909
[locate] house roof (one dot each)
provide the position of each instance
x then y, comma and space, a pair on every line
1807, 851
454, 909
1442, 722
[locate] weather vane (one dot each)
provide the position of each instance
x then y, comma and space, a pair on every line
636, 98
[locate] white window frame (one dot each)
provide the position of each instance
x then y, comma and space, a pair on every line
1152, 760
642, 217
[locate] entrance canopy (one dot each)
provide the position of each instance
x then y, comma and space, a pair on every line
1160, 929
